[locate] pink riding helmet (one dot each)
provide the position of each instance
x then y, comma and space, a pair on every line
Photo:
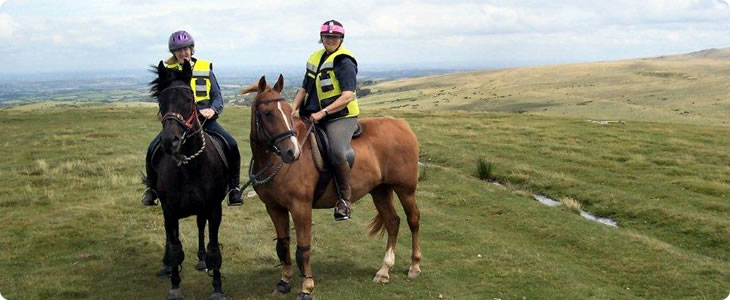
332, 28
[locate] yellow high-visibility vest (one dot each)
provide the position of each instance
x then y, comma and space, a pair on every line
200, 83
326, 83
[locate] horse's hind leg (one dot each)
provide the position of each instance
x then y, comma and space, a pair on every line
407, 197
201, 243
174, 256
280, 216
388, 218
213, 258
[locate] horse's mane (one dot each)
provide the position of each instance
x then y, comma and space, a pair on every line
163, 81
155, 84
254, 88
158, 84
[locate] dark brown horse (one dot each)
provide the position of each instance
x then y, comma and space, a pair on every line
386, 160
191, 176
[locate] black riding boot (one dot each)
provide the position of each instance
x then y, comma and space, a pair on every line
234, 194
342, 208
150, 195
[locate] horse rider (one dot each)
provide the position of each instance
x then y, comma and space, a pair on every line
327, 97
209, 102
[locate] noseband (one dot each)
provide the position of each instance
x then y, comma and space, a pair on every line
262, 132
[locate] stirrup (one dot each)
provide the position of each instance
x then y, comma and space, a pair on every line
342, 216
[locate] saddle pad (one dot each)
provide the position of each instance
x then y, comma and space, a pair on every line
220, 145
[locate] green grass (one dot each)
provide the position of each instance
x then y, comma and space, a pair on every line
73, 227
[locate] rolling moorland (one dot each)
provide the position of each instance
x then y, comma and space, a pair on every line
73, 228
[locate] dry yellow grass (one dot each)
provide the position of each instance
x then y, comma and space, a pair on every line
678, 89
571, 204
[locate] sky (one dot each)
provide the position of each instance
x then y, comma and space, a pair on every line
92, 35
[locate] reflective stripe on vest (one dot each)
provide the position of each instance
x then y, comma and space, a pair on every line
326, 83
200, 83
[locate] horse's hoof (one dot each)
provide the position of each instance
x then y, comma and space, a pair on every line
217, 296
304, 296
175, 294
381, 278
414, 272
282, 288
164, 272
201, 266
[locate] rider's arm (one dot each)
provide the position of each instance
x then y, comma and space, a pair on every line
216, 98
299, 97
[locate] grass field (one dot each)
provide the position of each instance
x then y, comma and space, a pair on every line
72, 226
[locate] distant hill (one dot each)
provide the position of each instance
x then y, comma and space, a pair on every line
687, 88
723, 53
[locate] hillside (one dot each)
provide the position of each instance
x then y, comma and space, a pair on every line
73, 227
690, 88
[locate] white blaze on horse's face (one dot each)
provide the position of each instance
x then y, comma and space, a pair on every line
293, 139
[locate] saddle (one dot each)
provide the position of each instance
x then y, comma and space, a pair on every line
219, 143
320, 155
320, 147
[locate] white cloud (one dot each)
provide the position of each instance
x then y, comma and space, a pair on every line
7, 25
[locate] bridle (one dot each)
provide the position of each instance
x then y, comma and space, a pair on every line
261, 131
271, 142
190, 124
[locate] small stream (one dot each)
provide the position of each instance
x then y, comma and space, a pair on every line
552, 203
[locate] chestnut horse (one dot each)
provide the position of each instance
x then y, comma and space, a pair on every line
386, 160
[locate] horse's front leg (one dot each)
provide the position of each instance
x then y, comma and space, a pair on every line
201, 243
280, 216
165, 270
213, 258
174, 256
302, 215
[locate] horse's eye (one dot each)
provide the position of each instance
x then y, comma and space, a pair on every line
267, 114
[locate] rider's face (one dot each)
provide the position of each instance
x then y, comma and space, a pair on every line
183, 54
331, 43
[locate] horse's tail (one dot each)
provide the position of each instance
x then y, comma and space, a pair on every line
377, 225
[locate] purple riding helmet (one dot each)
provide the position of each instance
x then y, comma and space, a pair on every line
180, 39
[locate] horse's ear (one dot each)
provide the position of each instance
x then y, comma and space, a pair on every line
162, 72
279, 84
253, 88
187, 71
262, 84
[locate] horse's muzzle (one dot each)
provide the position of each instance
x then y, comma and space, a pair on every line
172, 145
290, 155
